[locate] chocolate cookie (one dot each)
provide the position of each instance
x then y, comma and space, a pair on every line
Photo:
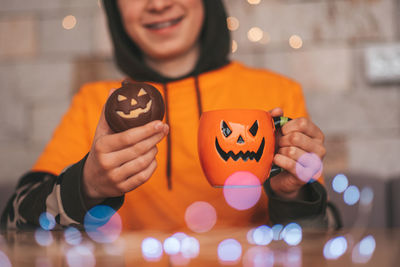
133, 105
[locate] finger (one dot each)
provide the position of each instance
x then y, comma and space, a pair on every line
276, 112
132, 152
304, 126
137, 165
119, 141
304, 172
292, 152
139, 178
302, 141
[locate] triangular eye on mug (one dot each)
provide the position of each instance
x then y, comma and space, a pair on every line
254, 128
225, 129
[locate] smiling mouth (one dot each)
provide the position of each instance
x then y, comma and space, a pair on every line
136, 112
243, 155
164, 24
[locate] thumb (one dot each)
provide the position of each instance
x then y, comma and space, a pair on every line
276, 112
102, 126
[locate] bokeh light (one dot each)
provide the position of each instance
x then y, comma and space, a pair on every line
263, 235
43, 237
152, 249
78, 256
367, 245
179, 260
340, 183
253, 2
276, 230
249, 236
103, 224
308, 166
258, 256
116, 249
242, 190
233, 23
351, 195
229, 251
172, 245
69, 22
200, 217
47, 221
72, 236
255, 34
366, 196
335, 248
295, 42
292, 234
234, 46
293, 257
190, 247
4, 261
363, 251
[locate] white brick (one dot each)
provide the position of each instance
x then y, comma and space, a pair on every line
316, 20
55, 40
13, 111
375, 112
45, 118
102, 38
317, 69
43, 81
16, 158
377, 156
22, 5
18, 37
85, 3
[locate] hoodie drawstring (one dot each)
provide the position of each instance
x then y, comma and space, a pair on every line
168, 169
200, 111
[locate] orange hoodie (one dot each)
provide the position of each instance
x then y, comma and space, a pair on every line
153, 205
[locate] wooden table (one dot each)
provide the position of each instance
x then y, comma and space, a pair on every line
21, 249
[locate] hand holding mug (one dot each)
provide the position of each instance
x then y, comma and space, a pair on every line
235, 140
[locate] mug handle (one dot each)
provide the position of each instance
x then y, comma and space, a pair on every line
278, 122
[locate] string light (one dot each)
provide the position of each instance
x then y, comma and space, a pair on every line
233, 23
255, 34
69, 22
295, 41
234, 46
253, 2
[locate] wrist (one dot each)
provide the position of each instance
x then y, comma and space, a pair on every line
89, 194
285, 188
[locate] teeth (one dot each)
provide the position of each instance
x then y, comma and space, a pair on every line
163, 24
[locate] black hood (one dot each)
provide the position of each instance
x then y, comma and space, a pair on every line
214, 40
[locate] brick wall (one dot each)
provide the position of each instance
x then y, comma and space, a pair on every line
42, 65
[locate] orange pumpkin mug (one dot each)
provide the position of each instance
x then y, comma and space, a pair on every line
237, 140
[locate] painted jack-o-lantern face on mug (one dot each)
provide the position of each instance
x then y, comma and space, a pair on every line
235, 140
133, 105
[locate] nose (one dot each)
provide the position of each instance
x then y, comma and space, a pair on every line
240, 140
158, 5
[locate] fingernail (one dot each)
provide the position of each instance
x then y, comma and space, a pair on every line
158, 126
166, 128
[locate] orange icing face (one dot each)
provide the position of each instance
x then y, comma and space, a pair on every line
235, 140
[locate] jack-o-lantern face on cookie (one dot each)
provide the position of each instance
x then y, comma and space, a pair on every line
133, 105
235, 140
